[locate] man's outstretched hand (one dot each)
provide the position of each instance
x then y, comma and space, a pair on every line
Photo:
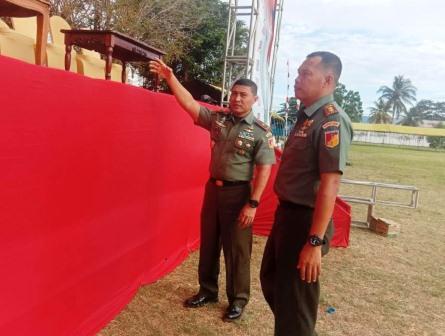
161, 69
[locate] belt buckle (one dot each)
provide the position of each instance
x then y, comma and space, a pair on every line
219, 183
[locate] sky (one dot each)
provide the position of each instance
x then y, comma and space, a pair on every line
376, 40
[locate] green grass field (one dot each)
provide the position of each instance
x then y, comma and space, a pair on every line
378, 285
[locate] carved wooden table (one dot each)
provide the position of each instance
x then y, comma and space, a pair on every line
27, 8
111, 44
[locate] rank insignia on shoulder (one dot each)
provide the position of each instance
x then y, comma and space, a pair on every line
330, 109
332, 138
262, 125
330, 124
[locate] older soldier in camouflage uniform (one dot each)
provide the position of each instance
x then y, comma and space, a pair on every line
307, 183
239, 143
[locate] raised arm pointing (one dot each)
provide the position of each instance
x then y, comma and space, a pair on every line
184, 98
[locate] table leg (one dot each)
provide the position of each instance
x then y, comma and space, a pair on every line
68, 48
41, 38
124, 72
108, 62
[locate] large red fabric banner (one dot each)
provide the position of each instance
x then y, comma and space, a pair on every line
101, 186
100, 191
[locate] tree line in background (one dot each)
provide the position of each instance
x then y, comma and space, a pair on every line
191, 32
396, 104
392, 105
283, 119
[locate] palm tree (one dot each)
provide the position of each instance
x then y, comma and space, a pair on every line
401, 93
379, 113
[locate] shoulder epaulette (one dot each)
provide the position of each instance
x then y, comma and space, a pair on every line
262, 125
330, 109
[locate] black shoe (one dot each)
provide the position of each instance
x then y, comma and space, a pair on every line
199, 300
233, 312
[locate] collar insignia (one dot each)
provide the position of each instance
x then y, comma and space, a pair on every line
330, 109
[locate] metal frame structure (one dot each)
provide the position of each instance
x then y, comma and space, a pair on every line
246, 11
277, 29
231, 60
372, 200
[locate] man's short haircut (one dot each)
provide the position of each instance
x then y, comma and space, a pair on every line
247, 82
330, 61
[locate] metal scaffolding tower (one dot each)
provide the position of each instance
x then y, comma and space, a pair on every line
241, 63
278, 17
235, 64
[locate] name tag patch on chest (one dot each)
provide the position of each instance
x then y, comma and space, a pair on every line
301, 132
332, 138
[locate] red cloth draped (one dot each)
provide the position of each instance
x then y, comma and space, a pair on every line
100, 192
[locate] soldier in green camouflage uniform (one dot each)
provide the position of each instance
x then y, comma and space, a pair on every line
307, 182
240, 144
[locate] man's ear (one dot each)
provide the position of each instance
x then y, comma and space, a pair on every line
329, 80
255, 99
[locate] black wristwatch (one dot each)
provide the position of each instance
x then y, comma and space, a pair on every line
253, 203
315, 240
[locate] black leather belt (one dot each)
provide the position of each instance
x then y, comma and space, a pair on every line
223, 183
291, 205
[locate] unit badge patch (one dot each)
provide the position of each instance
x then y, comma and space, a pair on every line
330, 124
330, 109
332, 138
271, 142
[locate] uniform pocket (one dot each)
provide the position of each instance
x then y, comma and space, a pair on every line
243, 146
299, 142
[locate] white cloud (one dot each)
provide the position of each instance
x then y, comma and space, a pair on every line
376, 40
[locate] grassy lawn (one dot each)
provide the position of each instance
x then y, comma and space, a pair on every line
378, 286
